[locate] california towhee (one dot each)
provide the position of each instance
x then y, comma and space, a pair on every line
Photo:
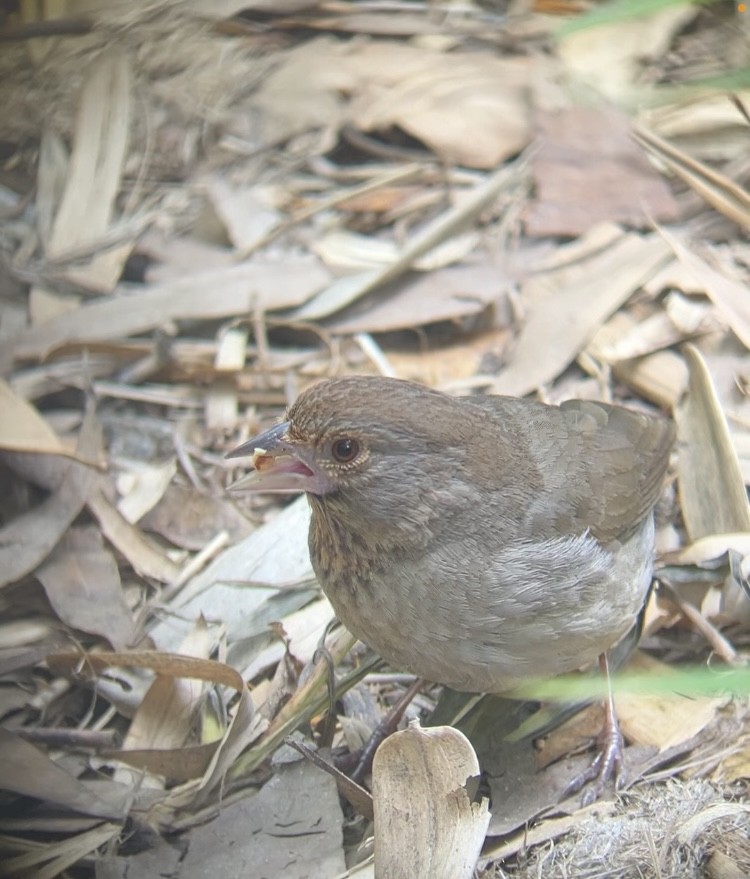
475, 541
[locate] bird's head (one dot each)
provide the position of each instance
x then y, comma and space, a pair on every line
367, 441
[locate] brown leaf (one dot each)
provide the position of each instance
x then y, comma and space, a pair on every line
26, 770
82, 582
587, 170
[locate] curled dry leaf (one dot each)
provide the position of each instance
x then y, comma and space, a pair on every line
244, 728
427, 822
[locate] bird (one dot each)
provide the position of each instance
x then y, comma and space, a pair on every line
476, 541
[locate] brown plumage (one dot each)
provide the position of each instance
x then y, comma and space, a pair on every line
475, 541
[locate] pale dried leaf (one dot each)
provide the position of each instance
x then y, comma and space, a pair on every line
303, 631
719, 191
349, 250
190, 518
141, 486
660, 377
142, 553
709, 549
22, 428
452, 104
237, 290
277, 553
47, 305
588, 170
427, 824
712, 490
609, 58
728, 295
51, 178
566, 308
53, 859
448, 294
165, 717
663, 720
95, 170
244, 728
244, 212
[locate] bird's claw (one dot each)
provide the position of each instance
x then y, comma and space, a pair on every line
606, 766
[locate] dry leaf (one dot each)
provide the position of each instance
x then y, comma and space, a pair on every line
238, 290
26, 770
448, 294
450, 102
190, 518
277, 553
298, 807
141, 486
50, 860
567, 307
142, 552
427, 822
728, 295
712, 491
242, 730
246, 215
95, 171
588, 170
719, 191
82, 582
347, 290
28, 539
609, 57
662, 720
22, 428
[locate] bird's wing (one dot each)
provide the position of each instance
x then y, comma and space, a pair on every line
608, 463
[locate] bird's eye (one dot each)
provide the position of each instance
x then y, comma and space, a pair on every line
345, 450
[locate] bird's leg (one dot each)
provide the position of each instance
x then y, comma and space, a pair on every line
608, 762
381, 732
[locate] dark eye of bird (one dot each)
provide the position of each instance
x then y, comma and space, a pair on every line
345, 450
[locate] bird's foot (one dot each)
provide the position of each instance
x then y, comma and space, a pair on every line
387, 726
608, 764
606, 767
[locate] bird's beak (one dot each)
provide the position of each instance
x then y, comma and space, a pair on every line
280, 465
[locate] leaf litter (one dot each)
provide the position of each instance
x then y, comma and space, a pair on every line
204, 210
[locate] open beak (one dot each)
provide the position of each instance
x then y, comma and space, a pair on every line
280, 465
